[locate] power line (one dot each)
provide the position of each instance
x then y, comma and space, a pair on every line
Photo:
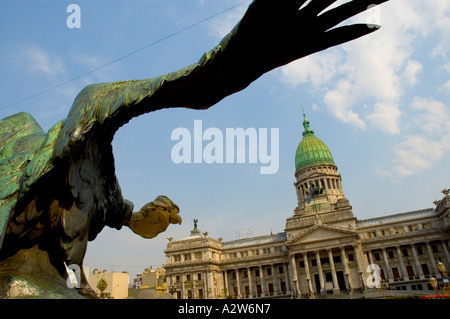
124, 56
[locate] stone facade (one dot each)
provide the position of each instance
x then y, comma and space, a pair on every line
317, 255
324, 249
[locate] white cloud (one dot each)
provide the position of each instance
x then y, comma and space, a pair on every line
412, 68
434, 118
316, 69
446, 67
415, 155
37, 60
90, 62
418, 152
445, 87
385, 117
339, 102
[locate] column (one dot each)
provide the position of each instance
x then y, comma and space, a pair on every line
238, 283
319, 267
388, 271
263, 282
433, 261
308, 274
447, 254
286, 278
347, 276
294, 272
274, 280
182, 287
250, 282
227, 291
358, 266
416, 262
194, 292
205, 285
402, 264
369, 254
336, 289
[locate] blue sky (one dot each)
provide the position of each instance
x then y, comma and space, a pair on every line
380, 103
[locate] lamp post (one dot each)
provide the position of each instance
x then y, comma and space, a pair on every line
434, 284
384, 285
442, 270
172, 289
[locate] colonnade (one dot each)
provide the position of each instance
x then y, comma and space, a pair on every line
395, 269
257, 281
306, 259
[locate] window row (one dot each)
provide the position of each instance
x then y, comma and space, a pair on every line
325, 260
255, 252
405, 252
397, 230
256, 272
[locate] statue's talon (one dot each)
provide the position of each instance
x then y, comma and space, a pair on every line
154, 218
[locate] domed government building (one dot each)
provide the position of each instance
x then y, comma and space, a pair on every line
324, 251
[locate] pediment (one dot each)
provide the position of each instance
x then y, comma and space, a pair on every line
319, 233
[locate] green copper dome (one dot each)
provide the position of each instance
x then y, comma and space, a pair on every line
311, 150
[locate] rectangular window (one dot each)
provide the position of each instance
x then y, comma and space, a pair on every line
271, 289
391, 254
395, 273
405, 252
410, 271
350, 257
280, 270
425, 270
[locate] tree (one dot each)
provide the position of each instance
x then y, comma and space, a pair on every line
102, 285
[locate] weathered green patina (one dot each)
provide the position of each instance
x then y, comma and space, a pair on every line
59, 188
311, 150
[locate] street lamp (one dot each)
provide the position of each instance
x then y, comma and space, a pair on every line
434, 284
441, 268
172, 289
383, 287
